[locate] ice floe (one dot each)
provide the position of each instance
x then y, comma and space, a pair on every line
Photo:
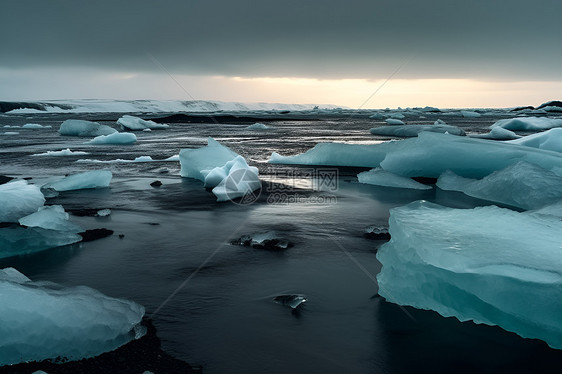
128, 122
488, 264
258, 126
528, 123
498, 133
469, 114
550, 140
51, 218
62, 152
78, 127
114, 138
34, 126
196, 163
18, 199
406, 131
394, 122
88, 179
383, 178
43, 320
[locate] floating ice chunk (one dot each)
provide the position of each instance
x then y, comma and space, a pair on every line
498, 133
528, 123
103, 212
487, 264
376, 116
51, 218
173, 158
380, 177
394, 122
78, 127
34, 126
407, 131
43, 320
18, 199
469, 114
439, 122
11, 133
115, 138
522, 185
89, 179
16, 240
134, 123
63, 152
550, 140
240, 180
397, 115
258, 126
290, 300
195, 161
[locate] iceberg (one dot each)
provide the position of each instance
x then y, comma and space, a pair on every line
258, 126
88, 179
427, 155
550, 140
380, 177
528, 123
138, 124
394, 122
521, 185
16, 240
18, 199
487, 264
62, 152
406, 131
51, 218
239, 180
43, 320
115, 138
469, 114
498, 133
78, 127
34, 126
196, 163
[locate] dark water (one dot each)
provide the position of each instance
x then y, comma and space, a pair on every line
214, 301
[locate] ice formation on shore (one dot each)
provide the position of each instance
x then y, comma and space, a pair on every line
498, 133
487, 264
528, 123
18, 199
414, 130
88, 179
42, 320
550, 140
114, 138
383, 178
78, 127
132, 123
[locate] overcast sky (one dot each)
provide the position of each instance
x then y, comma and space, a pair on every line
73, 49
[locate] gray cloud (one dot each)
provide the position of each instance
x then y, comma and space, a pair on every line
493, 39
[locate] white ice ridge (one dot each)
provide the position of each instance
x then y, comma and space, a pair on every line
383, 178
428, 155
550, 140
34, 126
128, 122
122, 161
221, 169
43, 320
63, 152
528, 123
521, 185
18, 199
114, 138
88, 179
406, 131
487, 264
78, 127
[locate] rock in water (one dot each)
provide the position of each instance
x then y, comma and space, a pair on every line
294, 301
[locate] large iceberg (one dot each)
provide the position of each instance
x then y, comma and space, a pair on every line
88, 179
115, 138
487, 264
43, 320
78, 127
413, 130
521, 185
550, 140
196, 163
138, 124
18, 199
428, 155
380, 177
528, 123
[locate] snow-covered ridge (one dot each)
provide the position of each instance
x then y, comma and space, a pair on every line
146, 106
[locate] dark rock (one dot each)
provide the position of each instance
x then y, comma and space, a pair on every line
89, 235
5, 179
425, 180
294, 301
556, 103
377, 233
84, 212
121, 236
27, 178
153, 223
520, 108
156, 184
272, 244
138, 356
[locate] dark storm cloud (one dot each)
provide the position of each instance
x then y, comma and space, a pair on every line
325, 39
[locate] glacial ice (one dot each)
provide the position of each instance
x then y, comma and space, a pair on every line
239, 179
62, 152
16, 240
382, 177
34, 126
428, 155
394, 122
487, 264
550, 140
498, 133
43, 320
521, 185
128, 122
51, 218
258, 126
196, 163
78, 127
18, 199
528, 123
469, 114
115, 138
88, 179
406, 131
